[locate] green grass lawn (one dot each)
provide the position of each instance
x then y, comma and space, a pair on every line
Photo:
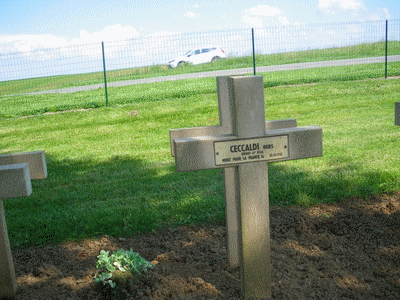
111, 171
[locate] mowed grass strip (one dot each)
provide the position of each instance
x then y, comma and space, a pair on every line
24, 105
111, 171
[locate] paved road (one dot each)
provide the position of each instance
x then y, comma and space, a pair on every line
331, 63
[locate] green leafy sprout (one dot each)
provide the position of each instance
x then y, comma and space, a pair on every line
119, 267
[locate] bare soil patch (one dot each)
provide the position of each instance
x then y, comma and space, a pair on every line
339, 251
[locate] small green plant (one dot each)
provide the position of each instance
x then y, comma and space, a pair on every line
120, 268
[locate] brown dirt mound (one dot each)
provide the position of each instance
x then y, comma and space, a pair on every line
339, 251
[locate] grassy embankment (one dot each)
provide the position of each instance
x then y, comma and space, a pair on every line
24, 105
57, 82
111, 172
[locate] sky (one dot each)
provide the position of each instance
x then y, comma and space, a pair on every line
46, 38
28, 25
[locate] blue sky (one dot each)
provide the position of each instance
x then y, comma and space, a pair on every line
28, 25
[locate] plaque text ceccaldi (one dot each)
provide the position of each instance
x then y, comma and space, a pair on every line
250, 150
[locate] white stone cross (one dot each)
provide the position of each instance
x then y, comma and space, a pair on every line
397, 113
243, 145
226, 128
16, 172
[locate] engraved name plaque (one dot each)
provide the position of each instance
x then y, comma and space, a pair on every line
251, 150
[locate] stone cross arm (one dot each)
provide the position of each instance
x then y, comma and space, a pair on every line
222, 129
36, 162
205, 152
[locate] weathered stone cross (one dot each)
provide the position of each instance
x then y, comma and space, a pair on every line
243, 144
397, 113
16, 172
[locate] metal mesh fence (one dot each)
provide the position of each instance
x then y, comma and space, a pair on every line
394, 37
77, 59
71, 77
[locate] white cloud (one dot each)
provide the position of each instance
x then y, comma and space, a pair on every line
109, 33
380, 15
250, 21
283, 20
190, 14
163, 33
264, 11
332, 6
263, 15
27, 43
386, 13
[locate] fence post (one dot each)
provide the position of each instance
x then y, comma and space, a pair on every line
104, 69
254, 57
386, 49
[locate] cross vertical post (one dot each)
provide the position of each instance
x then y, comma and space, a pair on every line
397, 113
8, 282
252, 183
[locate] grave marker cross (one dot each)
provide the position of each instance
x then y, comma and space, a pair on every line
241, 139
397, 113
16, 172
226, 128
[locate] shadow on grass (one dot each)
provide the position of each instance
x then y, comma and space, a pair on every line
124, 196
120, 196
